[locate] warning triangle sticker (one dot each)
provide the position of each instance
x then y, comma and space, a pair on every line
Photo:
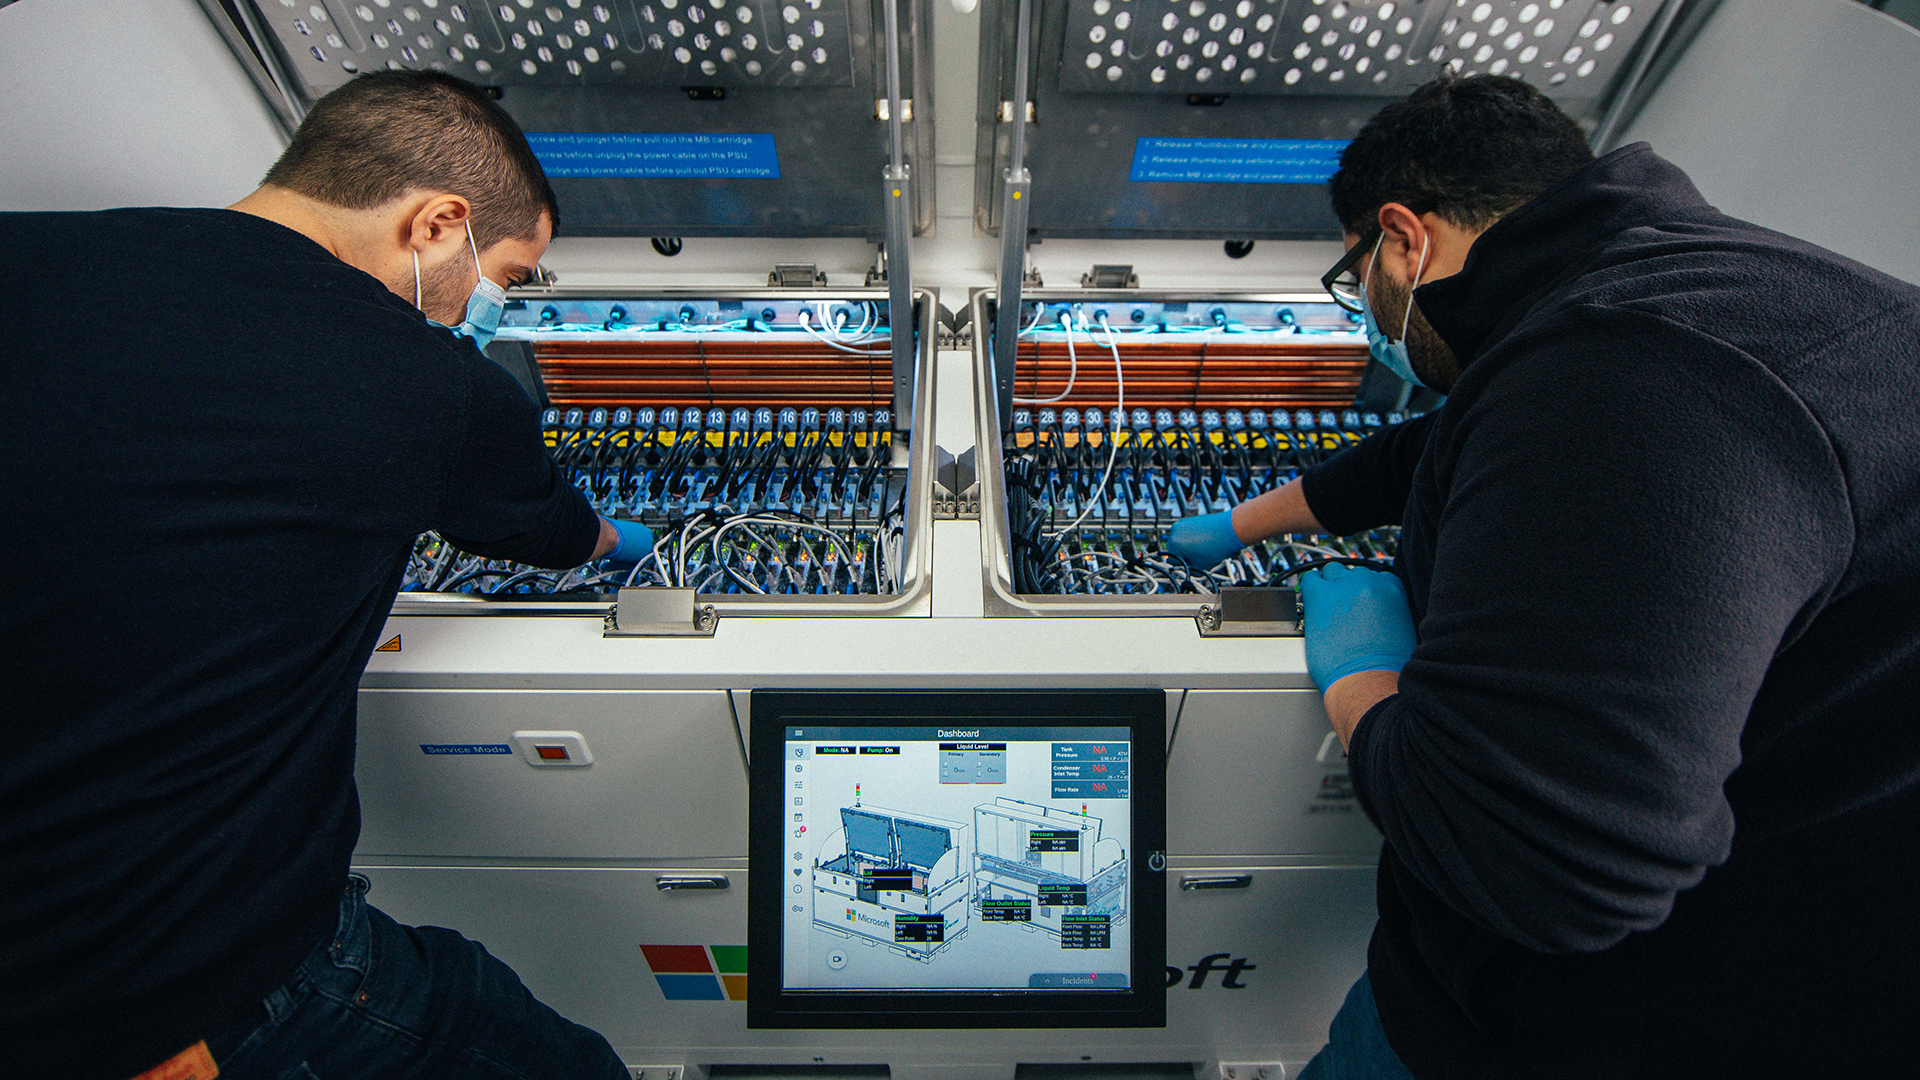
392, 644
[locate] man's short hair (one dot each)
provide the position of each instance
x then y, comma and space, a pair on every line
1469, 150
390, 132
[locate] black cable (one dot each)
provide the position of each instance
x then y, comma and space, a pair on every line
1314, 564
706, 375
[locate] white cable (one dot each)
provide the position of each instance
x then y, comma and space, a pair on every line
659, 567
759, 519
1073, 368
680, 558
806, 323
1119, 417
868, 318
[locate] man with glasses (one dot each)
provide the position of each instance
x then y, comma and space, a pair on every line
1634, 712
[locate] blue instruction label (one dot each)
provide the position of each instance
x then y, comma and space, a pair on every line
465, 748
669, 156
1236, 161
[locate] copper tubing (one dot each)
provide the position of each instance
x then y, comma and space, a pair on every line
723, 374
1282, 372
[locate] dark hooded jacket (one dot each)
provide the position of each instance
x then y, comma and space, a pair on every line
1651, 785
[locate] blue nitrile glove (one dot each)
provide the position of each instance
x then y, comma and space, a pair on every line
636, 542
1356, 620
1202, 542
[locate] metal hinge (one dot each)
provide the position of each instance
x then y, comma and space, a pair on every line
660, 613
956, 486
877, 273
1104, 276
796, 276
881, 111
1006, 113
1251, 612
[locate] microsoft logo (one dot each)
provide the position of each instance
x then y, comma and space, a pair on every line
699, 972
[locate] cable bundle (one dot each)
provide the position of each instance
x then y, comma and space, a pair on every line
764, 502
1091, 495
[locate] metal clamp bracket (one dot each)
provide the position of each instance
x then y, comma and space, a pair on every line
956, 486
660, 613
797, 276
1251, 612
1105, 276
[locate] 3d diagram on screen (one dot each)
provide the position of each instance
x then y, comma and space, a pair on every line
1050, 869
989, 858
899, 879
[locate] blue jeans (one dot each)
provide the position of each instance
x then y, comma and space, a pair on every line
1356, 1043
379, 1000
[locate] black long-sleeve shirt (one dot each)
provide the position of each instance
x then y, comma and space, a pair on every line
219, 444
1651, 785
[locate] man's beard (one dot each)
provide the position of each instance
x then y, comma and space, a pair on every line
443, 291
1432, 359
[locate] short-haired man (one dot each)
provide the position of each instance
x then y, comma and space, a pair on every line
1640, 727
222, 431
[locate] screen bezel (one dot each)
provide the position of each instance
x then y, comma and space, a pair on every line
771, 1005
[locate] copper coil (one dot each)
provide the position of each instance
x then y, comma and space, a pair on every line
1285, 372
723, 374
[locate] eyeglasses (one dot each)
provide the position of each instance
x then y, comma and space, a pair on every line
1343, 281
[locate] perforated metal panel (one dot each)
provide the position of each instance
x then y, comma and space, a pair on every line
1244, 46
1349, 48
1569, 48
557, 43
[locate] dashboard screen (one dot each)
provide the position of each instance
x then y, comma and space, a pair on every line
990, 857
964, 858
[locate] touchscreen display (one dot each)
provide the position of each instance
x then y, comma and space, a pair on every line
954, 858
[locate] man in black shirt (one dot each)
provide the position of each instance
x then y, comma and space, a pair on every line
223, 430
1636, 714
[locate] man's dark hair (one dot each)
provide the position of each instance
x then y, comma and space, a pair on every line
390, 132
1469, 150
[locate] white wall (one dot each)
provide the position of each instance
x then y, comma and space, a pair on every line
1803, 116
124, 103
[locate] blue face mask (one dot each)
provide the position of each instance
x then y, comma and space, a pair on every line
484, 306
1391, 354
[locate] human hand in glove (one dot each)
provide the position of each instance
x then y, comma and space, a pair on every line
636, 542
1203, 542
1359, 635
1357, 619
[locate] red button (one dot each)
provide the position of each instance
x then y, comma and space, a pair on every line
551, 753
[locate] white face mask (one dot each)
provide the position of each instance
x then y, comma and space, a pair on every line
485, 304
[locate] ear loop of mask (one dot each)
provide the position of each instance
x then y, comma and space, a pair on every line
476, 253
1364, 282
1407, 319
416, 265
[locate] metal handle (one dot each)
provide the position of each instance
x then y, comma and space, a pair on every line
1230, 881
667, 884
